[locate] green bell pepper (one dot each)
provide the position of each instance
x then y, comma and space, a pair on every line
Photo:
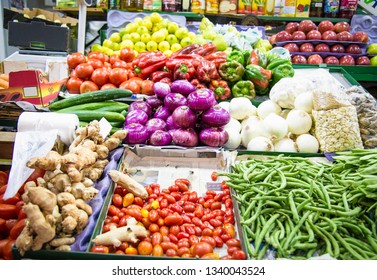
231, 71
244, 89
282, 71
276, 62
246, 57
236, 56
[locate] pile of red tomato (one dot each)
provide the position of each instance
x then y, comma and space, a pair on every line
180, 223
99, 71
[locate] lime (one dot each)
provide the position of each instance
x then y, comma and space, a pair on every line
126, 37
122, 31
181, 33
96, 48
135, 37
145, 38
130, 27
126, 44
108, 43
107, 51
171, 39
142, 30
373, 61
138, 20
186, 41
163, 46
168, 53
115, 37
158, 37
147, 23
175, 47
172, 27
152, 46
139, 47
192, 35
116, 46
372, 49
155, 17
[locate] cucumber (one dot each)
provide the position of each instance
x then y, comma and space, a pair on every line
88, 116
114, 129
89, 97
83, 123
117, 107
95, 106
117, 124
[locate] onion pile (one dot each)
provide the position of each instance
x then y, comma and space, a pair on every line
179, 114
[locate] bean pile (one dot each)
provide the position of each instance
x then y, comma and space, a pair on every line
301, 208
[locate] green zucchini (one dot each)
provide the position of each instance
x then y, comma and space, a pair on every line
88, 116
104, 105
94, 96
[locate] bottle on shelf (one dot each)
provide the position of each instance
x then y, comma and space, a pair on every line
278, 7
139, 5
156, 5
269, 7
347, 8
169, 6
198, 6
128, 5
244, 6
148, 5
289, 8
212, 6
316, 8
113, 5
331, 8
186, 6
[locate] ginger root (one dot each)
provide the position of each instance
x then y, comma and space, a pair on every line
50, 162
128, 183
73, 218
42, 197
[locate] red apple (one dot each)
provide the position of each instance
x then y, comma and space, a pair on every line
306, 26
360, 36
272, 39
344, 36
354, 49
298, 36
282, 36
322, 48
342, 26
331, 60
315, 59
292, 47
307, 47
337, 48
325, 26
291, 27
362, 60
329, 35
347, 60
299, 59
314, 35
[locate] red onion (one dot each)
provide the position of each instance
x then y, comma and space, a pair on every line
161, 89
183, 87
137, 133
162, 113
170, 124
160, 138
174, 100
171, 131
184, 117
216, 116
201, 99
185, 137
140, 105
155, 124
154, 102
137, 116
213, 137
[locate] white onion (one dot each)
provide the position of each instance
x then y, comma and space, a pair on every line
225, 105
304, 101
260, 144
233, 123
285, 145
275, 126
267, 107
307, 143
250, 120
251, 131
234, 139
241, 107
284, 113
299, 122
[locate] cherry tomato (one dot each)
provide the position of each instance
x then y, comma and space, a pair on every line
160, 222
73, 85
173, 188
233, 242
199, 211
229, 203
113, 210
154, 228
123, 246
100, 76
173, 219
182, 186
133, 212
115, 219
170, 198
193, 197
123, 221
229, 229
164, 203
201, 248
182, 180
189, 207
88, 86
100, 249
214, 176
215, 205
117, 200
127, 54
131, 251
184, 242
107, 86
156, 238
168, 245
193, 239
218, 240
128, 199
139, 201
210, 240
153, 216
145, 248
117, 76
75, 59
225, 237
173, 238
164, 230
157, 251
218, 231
183, 250
176, 208
231, 250
174, 229
239, 255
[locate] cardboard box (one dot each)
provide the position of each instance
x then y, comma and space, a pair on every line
40, 29
54, 67
30, 86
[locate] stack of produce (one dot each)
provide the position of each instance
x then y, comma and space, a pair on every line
300, 208
172, 222
57, 203
325, 43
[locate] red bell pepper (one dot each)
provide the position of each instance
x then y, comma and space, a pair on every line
217, 57
193, 59
221, 89
188, 49
184, 71
166, 80
207, 71
198, 84
204, 50
144, 73
159, 75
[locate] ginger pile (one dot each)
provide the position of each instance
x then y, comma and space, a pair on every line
57, 205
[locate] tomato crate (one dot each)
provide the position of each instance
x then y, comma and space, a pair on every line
155, 165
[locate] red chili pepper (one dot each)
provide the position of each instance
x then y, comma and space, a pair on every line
159, 75
194, 59
206, 49
207, 71
140, 56
184, 71
150, 59
146, 72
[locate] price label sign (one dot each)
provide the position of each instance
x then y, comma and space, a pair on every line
369, 6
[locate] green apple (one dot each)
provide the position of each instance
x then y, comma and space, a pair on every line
158, 37
96, 48
107, 51
152, 46
220, 43
135, 37
116, 46
147, 23
140, 47
155, 17
172, 27
192, 35
138, 20
131, 27
122, 31
142, 30
372, 49
373, 61
181, 33
175, 47
186, 41
163, 46
108, 43
171, 39
145, 38
115, 37
126, 37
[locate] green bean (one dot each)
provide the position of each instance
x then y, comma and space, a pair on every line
365, 246
324, 238
234, 186
282, 229
262, 252
366, 255
249, 232
310, 231
255, 216
335, 244
330, 223
348, 247
246, 213
326, 195
295, 229
310, 253
372, 243
247, 172
275, 238
353, 212
293, 207
305, 246
345, 202
302, 204
267, 227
